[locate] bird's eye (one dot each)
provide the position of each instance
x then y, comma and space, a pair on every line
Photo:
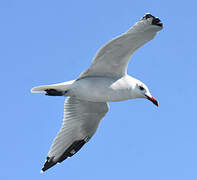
141, 88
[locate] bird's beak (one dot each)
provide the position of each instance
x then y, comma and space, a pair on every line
153, 100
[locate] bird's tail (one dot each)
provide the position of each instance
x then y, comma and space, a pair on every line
53, 89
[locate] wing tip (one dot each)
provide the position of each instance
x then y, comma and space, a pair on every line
41, 171
70, 151
48, 164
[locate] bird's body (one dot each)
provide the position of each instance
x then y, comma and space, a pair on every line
103, 89
106, 80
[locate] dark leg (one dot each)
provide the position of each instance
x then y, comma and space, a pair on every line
53, 92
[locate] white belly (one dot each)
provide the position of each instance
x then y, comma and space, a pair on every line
98, 89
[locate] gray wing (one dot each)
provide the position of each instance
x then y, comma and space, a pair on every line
113, 58
81, 119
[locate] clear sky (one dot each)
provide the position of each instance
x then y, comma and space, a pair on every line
44, 42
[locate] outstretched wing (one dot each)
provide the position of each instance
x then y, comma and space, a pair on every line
81, 119
113, 58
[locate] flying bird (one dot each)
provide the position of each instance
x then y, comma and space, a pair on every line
106, 80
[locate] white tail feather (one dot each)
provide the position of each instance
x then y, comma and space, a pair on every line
60, 87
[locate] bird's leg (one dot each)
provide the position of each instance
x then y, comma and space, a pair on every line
54, 92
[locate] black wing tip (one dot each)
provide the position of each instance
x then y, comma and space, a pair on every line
70, 151
48, 164
156, 21
148, 15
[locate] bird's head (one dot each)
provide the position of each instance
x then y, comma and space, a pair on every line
142, 91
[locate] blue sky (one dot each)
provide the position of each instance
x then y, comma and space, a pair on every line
44, 42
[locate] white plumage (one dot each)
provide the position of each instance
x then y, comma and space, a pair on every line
81, 119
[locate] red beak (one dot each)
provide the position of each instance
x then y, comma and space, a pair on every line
153, 100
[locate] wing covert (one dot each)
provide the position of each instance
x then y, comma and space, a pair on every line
113, 58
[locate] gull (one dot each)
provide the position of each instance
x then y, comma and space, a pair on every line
106, 80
